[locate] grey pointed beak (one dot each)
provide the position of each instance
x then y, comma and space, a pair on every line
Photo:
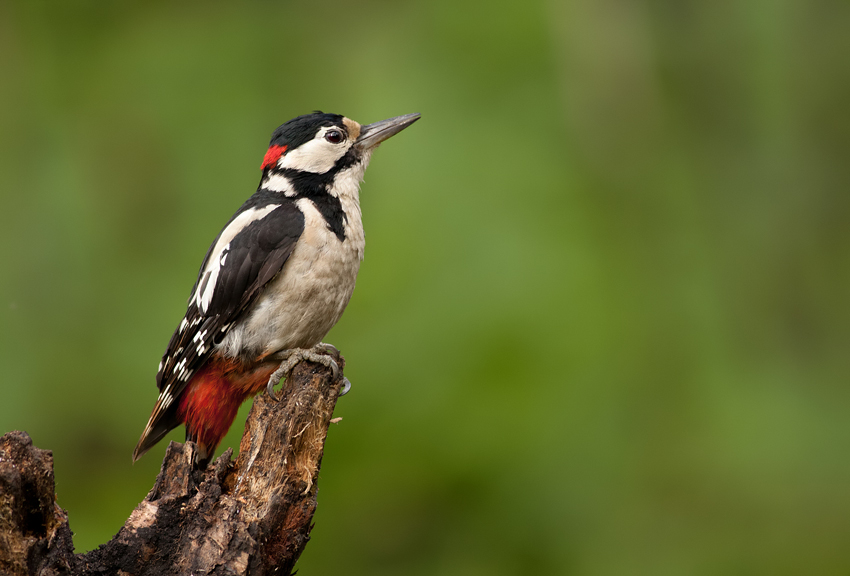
373, 134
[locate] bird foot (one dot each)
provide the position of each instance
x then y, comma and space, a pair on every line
320, 354
325, 348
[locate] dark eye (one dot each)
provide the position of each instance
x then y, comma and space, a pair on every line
334, 136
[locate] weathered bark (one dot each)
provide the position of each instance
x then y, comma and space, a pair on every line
249, 517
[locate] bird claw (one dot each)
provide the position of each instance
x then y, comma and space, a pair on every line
346, 386
270, 389
281, 373
326, 348
320, 354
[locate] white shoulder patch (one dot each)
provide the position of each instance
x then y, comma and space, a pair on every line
205, 291
209, 276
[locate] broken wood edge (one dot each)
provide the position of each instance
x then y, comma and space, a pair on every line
251, 516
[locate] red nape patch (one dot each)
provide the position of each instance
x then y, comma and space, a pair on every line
209, 403
272, 156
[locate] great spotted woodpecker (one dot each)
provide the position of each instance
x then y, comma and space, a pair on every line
274, 282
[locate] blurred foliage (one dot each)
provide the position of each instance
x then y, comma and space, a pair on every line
602, 324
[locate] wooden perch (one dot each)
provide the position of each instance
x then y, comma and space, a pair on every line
252, 517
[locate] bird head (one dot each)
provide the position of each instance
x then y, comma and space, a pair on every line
321, 143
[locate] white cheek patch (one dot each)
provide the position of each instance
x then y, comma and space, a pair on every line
317, 156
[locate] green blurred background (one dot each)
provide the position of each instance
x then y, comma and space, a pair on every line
602, 324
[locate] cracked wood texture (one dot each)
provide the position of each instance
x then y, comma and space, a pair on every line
249, 517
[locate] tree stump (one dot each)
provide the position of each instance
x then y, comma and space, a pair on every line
249, 517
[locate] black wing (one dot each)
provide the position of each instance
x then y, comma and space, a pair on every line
225, 288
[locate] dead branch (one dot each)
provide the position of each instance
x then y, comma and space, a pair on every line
249, 517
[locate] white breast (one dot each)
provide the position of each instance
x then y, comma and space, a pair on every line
309, 295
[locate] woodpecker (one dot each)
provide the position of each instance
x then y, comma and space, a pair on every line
274, 281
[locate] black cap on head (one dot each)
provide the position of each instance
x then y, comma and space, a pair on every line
297, 131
